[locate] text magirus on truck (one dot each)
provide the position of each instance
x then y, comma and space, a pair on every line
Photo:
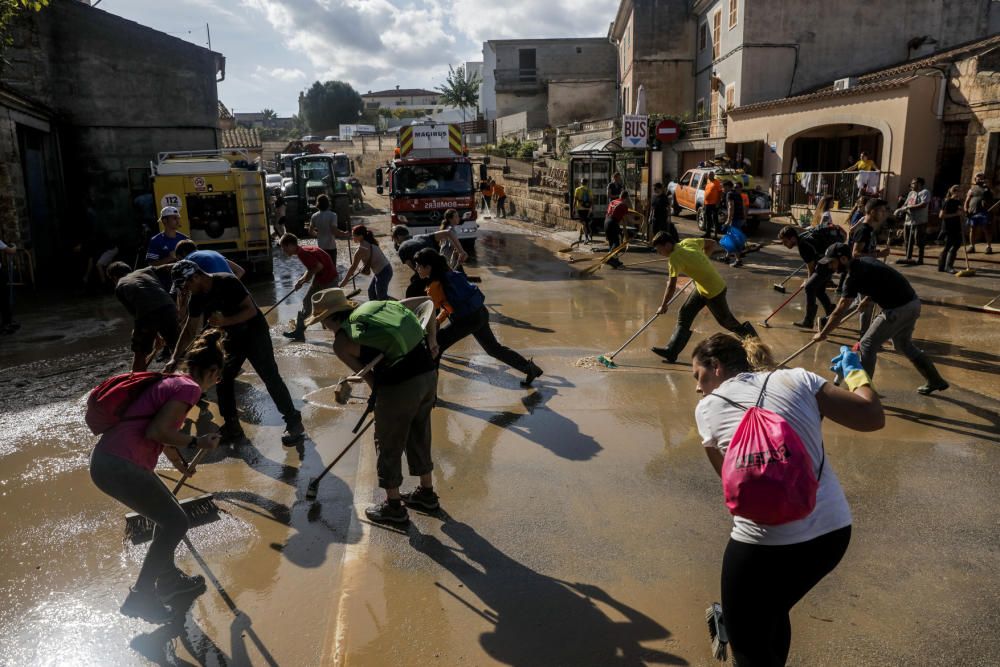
314, 175
431, 173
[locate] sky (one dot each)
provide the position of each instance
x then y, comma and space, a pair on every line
276, 48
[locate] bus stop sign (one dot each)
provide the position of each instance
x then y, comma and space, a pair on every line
667, 130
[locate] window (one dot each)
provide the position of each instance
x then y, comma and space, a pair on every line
734, 6
730, 96
717, 34
703, 36
699, 109
687, 179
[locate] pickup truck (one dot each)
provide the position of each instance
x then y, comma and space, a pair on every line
689, 194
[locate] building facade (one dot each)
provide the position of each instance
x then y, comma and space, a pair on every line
550, 81
83, 116
409, 99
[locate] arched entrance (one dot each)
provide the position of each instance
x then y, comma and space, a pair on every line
835, 147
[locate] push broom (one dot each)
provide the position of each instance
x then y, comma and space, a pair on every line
609, 359
200, 509
591, 270
787, 301
968, 271
780, 287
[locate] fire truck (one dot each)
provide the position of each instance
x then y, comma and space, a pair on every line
220, 197
431, 173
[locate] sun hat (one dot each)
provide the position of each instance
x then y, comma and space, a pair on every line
329, 302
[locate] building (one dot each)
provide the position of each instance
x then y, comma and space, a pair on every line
655, 47
751, 52
936, 117
407, 99
548, 82
82, 114
256, 119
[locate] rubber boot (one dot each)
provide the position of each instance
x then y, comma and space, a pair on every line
926, 368
746, 330
810, 317
675, 346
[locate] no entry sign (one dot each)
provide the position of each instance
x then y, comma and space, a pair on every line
635, 131
667, 130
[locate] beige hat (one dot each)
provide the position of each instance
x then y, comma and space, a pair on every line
329, 302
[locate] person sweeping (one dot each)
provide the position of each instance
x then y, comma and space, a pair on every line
900, 306
369, 258
408, 246
690, 257
404, 388
791, 520
123, 466
463, 305
811, 248
321, 274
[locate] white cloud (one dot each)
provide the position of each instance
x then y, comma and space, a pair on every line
279, 73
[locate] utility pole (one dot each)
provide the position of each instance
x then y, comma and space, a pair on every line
208, 33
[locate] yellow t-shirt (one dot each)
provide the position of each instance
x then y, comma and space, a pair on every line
865, 165
689, 258
582, 197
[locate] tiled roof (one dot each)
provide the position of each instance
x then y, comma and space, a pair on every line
224, 113
403, 92
883, 79
241, 137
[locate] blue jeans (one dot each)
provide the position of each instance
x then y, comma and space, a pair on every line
378, 288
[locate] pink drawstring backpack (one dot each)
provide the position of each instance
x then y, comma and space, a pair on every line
767, 473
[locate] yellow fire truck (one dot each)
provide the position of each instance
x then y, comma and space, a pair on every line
220, 197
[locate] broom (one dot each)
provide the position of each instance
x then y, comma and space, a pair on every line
591, 270
200, 509
717, 631
780, 287
968, 271
990, 307
609, 359
787, 301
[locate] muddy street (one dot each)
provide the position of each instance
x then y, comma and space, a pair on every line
581, 522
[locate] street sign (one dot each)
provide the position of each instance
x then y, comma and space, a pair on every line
635, 131
667, 130
199, 184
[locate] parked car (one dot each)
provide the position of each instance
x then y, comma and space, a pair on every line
689, 194
272, 182
331, 138
310, 137
286, 185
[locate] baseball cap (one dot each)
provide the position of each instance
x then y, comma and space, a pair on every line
169, 210
181, 272
834, 252
328, 302
400, 231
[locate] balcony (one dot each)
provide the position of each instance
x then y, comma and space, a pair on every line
805, 188
520, 80
706, 128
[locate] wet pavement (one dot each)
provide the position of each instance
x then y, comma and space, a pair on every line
582, 524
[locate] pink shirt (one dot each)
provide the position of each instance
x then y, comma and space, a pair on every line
128, 439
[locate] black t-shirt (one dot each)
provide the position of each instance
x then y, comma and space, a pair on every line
885, 285
864, 236
614, 190
736, 199
224, 296
951, 206
661, 208
145, 291
409, 248
807, 250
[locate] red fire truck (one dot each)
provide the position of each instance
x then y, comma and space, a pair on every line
431, 173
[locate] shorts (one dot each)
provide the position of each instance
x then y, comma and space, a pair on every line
978, 220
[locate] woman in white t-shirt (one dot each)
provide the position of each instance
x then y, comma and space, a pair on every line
767, 569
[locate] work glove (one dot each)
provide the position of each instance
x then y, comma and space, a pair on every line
847, 365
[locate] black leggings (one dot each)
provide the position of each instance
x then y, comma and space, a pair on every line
478, 324
761, 584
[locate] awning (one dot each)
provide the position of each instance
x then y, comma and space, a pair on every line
601, 146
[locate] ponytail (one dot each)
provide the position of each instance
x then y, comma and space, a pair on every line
733, 354
205, 352
365, 233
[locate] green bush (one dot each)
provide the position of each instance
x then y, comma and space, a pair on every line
527, 150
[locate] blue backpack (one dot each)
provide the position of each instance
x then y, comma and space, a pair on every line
464, 297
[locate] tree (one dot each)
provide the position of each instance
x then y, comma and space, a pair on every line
10, 10
326, 105
460, 91
267, 116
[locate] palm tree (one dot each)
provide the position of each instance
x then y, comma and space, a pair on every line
268, 115
460, 91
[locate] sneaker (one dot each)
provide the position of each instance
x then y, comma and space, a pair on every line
931, 387
295, 336
421, 498
904, 260
665, 353
384, 512
177, 583
737, 263
803, 324
294, 434
145, 605
533, 372
231, 432
971, 250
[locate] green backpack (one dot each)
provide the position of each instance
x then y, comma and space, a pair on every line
387, 326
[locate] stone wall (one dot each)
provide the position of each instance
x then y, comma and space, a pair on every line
542, 206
